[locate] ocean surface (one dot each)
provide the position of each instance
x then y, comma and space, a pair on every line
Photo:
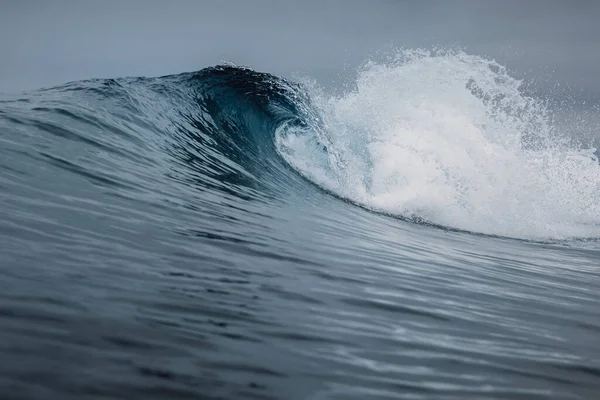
431, 231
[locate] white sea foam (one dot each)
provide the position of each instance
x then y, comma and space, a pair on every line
451, 138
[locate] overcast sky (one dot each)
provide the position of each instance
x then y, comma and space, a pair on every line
46, 42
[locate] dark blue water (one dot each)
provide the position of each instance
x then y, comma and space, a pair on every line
162, 238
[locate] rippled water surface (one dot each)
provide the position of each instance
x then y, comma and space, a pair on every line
430, 234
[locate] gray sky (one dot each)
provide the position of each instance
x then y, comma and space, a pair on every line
45, 42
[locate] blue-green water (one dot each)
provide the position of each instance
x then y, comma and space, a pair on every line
228, 234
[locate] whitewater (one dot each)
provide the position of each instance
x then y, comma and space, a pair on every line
451, 139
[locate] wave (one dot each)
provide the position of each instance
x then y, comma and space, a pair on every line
447, 139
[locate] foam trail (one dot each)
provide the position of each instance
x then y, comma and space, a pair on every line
450, 138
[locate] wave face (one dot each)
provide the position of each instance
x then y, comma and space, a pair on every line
231, 234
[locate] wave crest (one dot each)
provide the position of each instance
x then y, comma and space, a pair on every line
450, 138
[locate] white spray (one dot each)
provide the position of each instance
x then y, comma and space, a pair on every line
450, 138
